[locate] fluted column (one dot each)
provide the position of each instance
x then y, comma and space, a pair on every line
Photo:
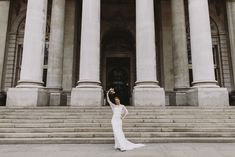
147, 90
30, 92
56, 49
89, 91
206, 92
180, 55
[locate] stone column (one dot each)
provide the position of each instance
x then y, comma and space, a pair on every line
56, 49
69, 48
89, 91
230, 5
29, 91
205, 91
4, 12
180, 55
147, 90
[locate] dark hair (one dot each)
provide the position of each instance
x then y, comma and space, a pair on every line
116, 98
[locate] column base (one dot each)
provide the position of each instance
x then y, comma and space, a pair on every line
208, 97
27, 97
57, 98
87, 96
148, 96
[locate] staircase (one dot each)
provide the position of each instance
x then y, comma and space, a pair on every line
86, 125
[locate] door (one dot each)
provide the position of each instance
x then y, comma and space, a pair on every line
118, 77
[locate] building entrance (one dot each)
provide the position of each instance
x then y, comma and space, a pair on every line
118, 77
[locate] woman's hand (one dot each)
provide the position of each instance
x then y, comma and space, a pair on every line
109, 90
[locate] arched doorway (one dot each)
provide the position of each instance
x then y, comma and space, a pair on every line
118, 63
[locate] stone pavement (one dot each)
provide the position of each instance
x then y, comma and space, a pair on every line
106, 150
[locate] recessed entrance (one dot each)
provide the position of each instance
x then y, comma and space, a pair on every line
118, 77
118, 61
118, 64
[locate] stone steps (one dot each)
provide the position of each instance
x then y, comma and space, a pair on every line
130, 116
150, 116
110, 134
111, 141
98, 130
108, 109
137, 120
103, 125
93, 125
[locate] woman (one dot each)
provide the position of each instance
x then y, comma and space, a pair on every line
119, 113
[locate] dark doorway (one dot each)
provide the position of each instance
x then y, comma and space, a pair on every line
118, 77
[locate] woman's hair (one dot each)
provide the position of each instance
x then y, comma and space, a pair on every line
116, 98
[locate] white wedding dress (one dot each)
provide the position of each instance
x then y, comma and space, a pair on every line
120, 141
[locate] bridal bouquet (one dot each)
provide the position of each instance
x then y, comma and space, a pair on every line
111, 90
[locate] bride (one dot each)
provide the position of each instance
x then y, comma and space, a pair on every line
119, 113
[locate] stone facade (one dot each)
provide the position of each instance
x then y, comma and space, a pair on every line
157, 52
